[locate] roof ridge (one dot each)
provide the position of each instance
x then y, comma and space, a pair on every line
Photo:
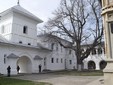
21, 10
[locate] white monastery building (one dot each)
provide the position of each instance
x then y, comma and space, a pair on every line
20, 46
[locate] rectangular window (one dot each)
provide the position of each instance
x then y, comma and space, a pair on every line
69, 51
25, 29
57, 60
70, 61
94, 51
104, 50
99, 51
111, 26
61, 60
20, 42
29, 43
45, 61
61, 48
52, 60
5, 59
56, 47
52, 46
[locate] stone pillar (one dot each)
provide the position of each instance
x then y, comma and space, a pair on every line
97, 66
108, 73
107, 14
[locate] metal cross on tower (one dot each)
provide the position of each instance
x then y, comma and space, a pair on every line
18, 2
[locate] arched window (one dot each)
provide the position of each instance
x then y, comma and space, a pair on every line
103, 64
104, 50
91, 65
94, 51
99, 51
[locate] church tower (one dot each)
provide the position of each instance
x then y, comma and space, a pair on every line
18, 25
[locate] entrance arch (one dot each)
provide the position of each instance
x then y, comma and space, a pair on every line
25, 64
103, 64
91, 65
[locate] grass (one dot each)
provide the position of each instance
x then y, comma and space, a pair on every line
11, 81
80, 73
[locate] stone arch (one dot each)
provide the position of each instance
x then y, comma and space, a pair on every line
25, 64
102, 64
99, 50
91, 65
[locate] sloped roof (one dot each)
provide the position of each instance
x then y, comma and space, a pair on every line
2, 39
22, 11
12, 56
37, 57
52, 37
6, 42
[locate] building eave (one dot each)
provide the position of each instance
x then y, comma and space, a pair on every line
20, 10
26, 46
27, 15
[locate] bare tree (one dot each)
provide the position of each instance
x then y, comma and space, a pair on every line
72, 20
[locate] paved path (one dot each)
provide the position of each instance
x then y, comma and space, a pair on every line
59, 79
99, 81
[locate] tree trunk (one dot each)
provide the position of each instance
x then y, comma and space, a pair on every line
79, 64
79, 67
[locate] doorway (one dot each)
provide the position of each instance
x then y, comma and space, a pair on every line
25, 64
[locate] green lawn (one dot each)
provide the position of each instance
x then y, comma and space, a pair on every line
82, 73
11, 81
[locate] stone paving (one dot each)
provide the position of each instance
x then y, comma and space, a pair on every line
99, 81
59, 79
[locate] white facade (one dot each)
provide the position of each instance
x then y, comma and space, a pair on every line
19, 45
59, 58
18, 37
97, 58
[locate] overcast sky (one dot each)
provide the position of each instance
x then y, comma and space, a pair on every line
41, 8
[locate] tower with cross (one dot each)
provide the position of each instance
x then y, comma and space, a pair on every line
18, 3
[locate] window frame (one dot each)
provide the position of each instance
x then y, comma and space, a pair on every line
20, 42
70, 62
52, 60
25, 29
52, 46
57, 60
